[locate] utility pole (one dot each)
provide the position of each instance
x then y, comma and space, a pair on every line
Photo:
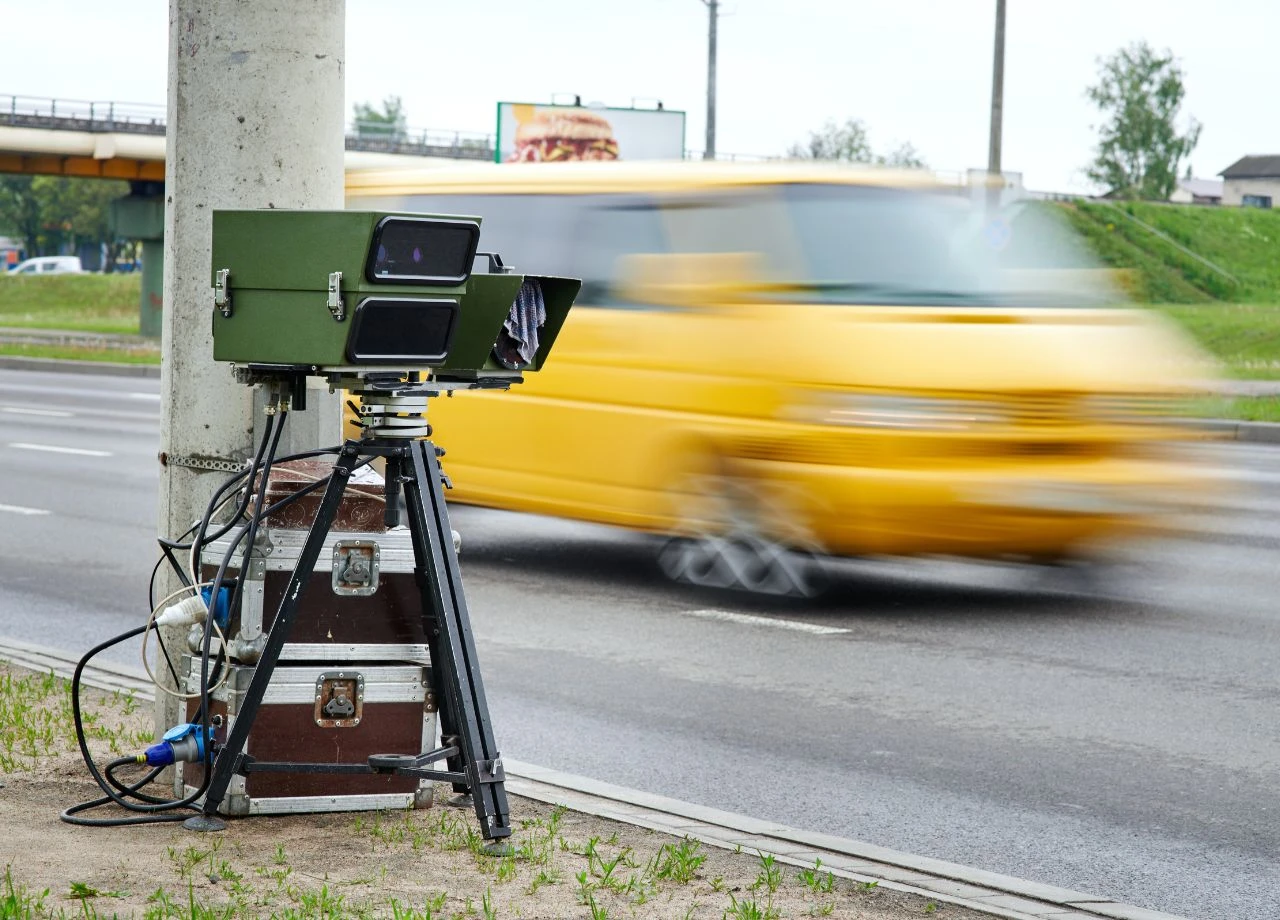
997, 106
255, 116
709, 149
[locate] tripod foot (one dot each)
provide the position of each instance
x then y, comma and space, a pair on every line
498, 848
204, 823
461, 801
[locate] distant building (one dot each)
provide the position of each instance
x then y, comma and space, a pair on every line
1252, 181
1198, 191
10, 253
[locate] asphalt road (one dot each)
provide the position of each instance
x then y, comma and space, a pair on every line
1119, 740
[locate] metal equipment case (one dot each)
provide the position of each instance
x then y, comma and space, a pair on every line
353, 679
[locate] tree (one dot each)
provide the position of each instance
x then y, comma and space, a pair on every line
20, 211
387, 122
847, 142
1140, 92
850, 143
51, 212
905, 156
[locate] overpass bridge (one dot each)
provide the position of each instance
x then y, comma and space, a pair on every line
114, 140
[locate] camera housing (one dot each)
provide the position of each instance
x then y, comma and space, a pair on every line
353, 292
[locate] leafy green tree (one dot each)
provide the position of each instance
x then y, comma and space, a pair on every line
1140, 93
20, 211
850, 143
847, 142
50, 212
905, 156
387, 122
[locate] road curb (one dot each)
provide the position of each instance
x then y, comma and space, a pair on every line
66, 366
986, 892
1228, 429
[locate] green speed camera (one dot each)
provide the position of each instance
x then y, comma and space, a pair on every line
350, 291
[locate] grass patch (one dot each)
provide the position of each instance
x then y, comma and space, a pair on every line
1237, 408
423, 864
36, 720
80, 353
87, 303
1245, 338
1241, 241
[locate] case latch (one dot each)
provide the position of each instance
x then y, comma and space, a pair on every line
339, 699
355, 567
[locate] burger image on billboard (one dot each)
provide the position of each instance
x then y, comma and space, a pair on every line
554, 135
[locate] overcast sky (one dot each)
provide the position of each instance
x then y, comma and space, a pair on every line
915, 71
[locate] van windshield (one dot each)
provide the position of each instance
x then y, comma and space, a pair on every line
806, 242
870, 245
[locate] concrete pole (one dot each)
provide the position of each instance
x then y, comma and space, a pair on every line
709, 149
255, 117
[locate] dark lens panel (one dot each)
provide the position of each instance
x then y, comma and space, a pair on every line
386, 330
421, 249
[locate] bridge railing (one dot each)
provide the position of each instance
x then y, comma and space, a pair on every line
376, 137
81, 115
145, 118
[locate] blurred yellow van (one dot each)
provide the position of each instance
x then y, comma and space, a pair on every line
770, 363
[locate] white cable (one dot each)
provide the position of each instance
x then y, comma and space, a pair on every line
147, 664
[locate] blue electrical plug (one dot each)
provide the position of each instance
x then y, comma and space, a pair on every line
221, 610
182, 742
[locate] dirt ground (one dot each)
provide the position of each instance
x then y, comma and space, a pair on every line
415, 864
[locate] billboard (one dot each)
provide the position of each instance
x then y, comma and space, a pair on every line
530, 133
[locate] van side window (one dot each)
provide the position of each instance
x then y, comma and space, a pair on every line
750, 221
530, 232
611, 228
578, 236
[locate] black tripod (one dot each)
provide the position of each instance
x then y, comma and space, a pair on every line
473, 763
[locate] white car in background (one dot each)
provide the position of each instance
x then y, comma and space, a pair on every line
49, 265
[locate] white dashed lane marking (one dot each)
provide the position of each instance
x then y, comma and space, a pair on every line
47, 413
18, 509
746, 619
52, 449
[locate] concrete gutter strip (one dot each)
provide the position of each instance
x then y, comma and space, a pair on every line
988, 892
63, 366
1230, 430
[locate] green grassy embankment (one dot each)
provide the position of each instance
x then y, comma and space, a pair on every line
81, 303
1231, 306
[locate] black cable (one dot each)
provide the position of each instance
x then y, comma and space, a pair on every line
270, 436
135, 788
117, 791
69, 815
152, 805
151, 605
251, 531
301, 455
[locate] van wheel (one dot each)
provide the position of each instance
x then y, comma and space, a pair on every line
723, 539
743, 563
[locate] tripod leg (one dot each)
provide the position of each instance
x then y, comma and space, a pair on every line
225, 765
464, 711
